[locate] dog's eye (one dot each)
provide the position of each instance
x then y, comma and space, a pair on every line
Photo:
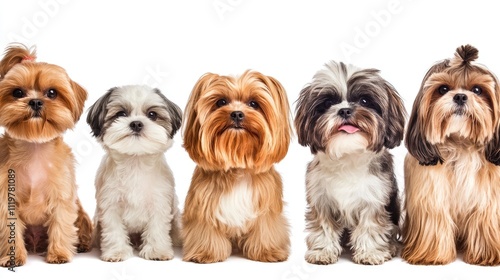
121, 114
18, 93
152, 115
327, 104
254, 104
365, 101
51, 93
443, 89
221, 102
324, 106
477, 90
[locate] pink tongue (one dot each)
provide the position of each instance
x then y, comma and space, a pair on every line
349, 128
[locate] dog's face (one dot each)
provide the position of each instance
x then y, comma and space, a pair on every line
237, 122
458, 100
38, 101
346, 109
134, 120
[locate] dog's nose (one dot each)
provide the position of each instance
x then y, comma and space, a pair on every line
237, 116
36, 104
460, 98
136, 126
345, 113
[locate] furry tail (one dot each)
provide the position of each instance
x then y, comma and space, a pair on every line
14, 54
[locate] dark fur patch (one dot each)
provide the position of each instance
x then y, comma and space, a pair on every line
174, 112
467, 53
96, 116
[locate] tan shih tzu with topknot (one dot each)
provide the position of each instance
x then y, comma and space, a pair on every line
38, 103
236, 128
451, 172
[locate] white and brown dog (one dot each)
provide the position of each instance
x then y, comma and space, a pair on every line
136, 201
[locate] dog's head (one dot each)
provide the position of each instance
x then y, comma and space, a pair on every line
38, 101
134, 120
347, 110
458, 99
237, 122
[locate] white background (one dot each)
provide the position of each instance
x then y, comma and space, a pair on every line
170, 44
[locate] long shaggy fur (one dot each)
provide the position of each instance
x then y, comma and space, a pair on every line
47, 207
235, 198
451, 170
136, 201
352, 193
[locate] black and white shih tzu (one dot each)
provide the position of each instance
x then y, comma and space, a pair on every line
350, 118
134, 185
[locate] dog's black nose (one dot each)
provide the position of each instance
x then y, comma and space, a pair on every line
36, 104
237, 116
136, 126
460, 98
345, 113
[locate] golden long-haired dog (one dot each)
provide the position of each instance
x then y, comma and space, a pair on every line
451, 172
236, 128
38, 192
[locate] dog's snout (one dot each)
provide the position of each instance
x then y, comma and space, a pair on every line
136, 126
237, 116
345, 113
36, 104
460, 98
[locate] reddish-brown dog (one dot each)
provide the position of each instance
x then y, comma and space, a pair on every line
235, 130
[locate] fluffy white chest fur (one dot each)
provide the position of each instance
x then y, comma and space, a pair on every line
137, 189
236, 207
348, 183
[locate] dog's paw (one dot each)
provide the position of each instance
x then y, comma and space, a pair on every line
150, 252
117, 256
271, 255
17, 261
203, 258
321, 256
57, 258
83, 248
372, 257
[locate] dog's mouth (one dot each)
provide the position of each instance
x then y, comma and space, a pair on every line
234, 126
348, 128
459, 112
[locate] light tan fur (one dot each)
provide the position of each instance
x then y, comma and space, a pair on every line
454, 204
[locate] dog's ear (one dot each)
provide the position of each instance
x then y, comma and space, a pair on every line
415, 138
174, 112
191, 125
492, 150
14, 54
282, 129
80, 96
395, 118
305, 120
97, 113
